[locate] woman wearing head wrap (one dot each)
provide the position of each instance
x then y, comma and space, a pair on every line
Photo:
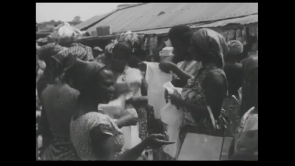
45, 54
233, 71
134, 42
53, 106
180, 37
232, 68
59, 101
183, 65
128, 80
202, 97
106, 57
94, 135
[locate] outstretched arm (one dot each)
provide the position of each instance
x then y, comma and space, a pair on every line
169, 66
215, 91
181, 74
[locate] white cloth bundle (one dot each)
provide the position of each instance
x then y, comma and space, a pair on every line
115, 108
65, 33
173, 117
156, 92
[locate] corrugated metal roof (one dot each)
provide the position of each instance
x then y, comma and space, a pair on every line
89, 21
242, 21
154, 31
148, 17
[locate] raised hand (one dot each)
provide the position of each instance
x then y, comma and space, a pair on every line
157, 140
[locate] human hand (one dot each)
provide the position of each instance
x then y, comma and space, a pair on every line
166, 66
156, 141
175, 99
142, 66
167, 96
137, 101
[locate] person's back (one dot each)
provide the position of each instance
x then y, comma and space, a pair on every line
234, 77
250, 78
59, 102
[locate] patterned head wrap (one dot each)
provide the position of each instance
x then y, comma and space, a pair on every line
212, 43
81, 51
235, 47
68, 56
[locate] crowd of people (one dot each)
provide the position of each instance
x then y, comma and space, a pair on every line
76, 84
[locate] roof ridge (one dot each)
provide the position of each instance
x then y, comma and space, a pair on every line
201, 23
133, 6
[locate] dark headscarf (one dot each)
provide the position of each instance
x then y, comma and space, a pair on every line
48, 50
211, 43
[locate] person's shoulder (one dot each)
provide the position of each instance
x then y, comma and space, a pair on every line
102, 125
49, 88
47, 92
232, 66
249, 64
68, 87
100, 121
250, 59
216, 76
98, 117
70, 90
133, 69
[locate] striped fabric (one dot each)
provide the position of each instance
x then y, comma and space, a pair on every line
68, 56
190, 67
81, 51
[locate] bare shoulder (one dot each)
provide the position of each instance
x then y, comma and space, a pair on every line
215, 78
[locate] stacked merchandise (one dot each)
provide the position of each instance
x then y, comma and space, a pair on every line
64, 33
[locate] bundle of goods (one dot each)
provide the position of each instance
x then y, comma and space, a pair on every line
65, 33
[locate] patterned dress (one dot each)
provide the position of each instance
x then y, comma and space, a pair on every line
193, 92
190, 67
80, 133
